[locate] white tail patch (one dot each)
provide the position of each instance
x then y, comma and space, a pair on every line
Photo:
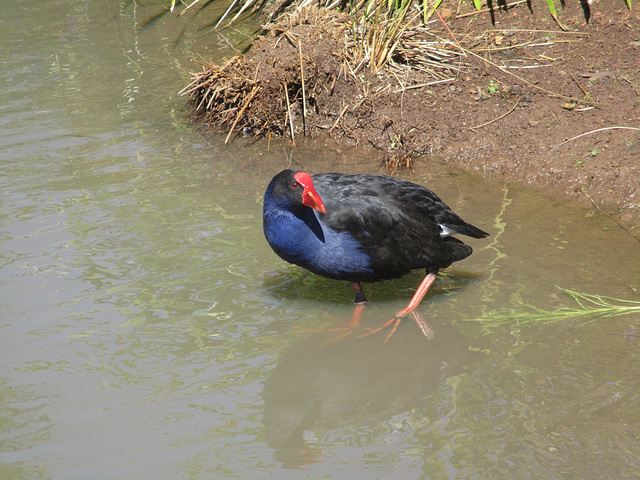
444, 231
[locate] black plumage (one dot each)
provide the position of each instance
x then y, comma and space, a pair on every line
402, 226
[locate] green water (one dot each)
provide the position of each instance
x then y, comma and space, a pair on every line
148, 331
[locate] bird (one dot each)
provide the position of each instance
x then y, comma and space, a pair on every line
363, 228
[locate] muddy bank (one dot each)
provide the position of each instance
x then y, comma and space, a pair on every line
526, 102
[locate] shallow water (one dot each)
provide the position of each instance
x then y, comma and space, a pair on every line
148, 331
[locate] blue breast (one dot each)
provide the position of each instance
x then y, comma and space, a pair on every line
302, 239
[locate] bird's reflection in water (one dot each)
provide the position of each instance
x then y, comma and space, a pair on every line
354, 383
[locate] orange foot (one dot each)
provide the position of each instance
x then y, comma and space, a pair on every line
426, 330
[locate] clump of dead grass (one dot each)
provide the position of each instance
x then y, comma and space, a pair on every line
279, 93
397, 160
216, 91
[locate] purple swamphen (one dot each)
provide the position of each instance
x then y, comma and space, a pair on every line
362, 228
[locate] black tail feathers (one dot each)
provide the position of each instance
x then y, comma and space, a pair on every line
458, 249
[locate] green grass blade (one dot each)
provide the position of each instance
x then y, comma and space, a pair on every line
590, 308
429, 8
224, 15
552, 8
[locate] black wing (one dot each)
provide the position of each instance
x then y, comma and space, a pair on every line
398, 223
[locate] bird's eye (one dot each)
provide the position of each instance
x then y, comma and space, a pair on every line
295, 185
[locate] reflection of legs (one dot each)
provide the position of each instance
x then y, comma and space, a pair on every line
424, 327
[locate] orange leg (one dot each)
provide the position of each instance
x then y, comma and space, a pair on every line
356, 315
419, 295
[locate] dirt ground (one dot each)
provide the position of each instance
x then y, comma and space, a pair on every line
528, 103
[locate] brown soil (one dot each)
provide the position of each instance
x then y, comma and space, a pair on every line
486, 119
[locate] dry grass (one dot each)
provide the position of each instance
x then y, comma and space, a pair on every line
220, 92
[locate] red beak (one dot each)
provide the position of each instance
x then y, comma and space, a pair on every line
310, 197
